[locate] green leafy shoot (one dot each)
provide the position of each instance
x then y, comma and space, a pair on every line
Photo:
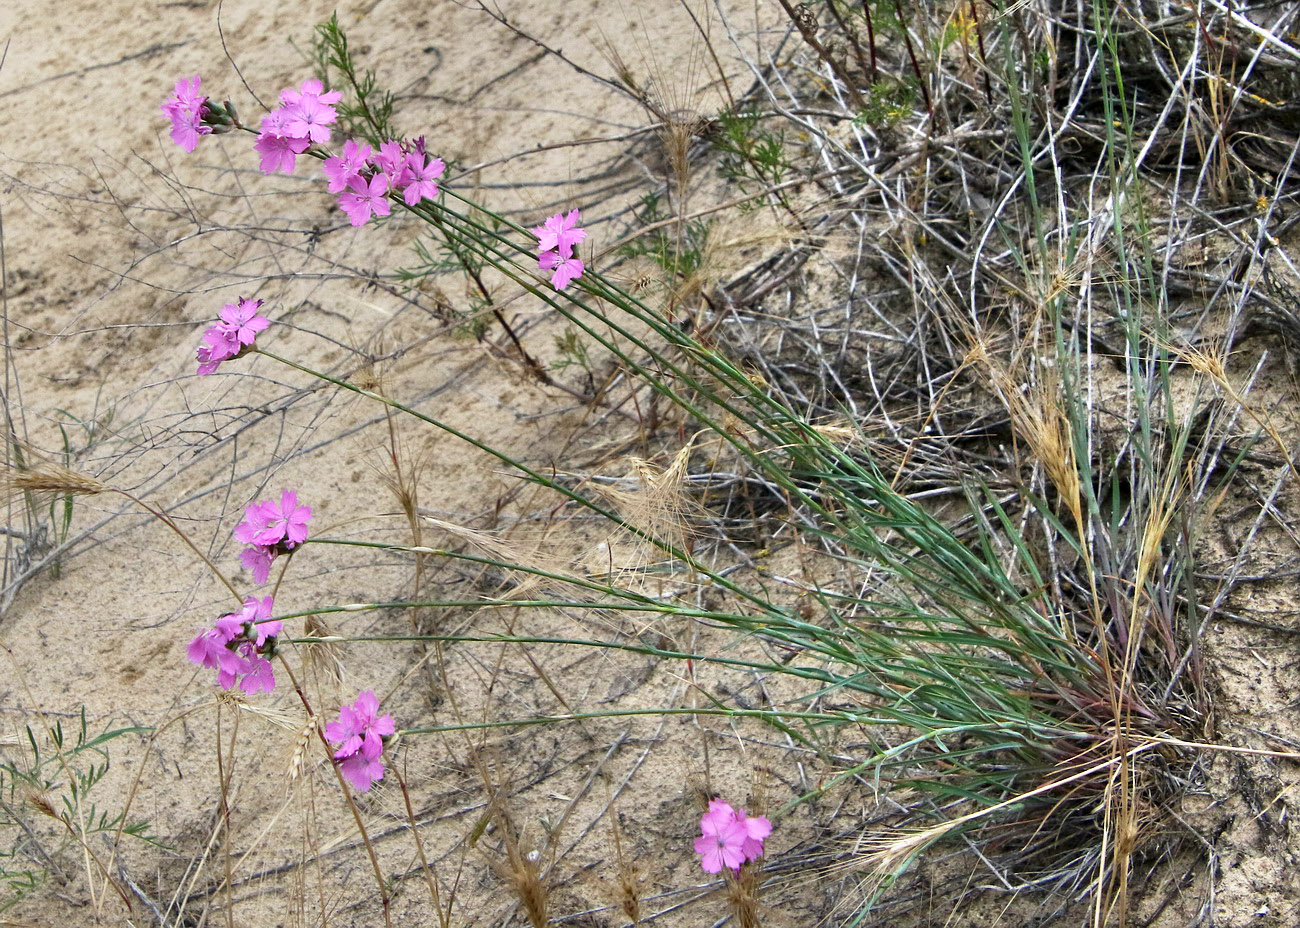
365, 111
661, 245
49, 779
750, 153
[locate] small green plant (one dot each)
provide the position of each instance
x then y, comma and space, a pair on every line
61, 505
437, 256
77, 437
434, 259
750, 153
49, 777
889, 102
573, 352
366, 111
661, 245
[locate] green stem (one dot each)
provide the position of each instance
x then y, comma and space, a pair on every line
535, 475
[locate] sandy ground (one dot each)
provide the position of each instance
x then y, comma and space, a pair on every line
119, 248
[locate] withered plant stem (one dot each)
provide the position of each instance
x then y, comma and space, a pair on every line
916, 64
852, 36
871, 40
224, 774
984, 61
444, 918
809, 32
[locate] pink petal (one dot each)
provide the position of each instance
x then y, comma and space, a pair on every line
361, 773
197, 651
260, 677
757, 828
710, 856
257, 560
337, 732
732, 855
350, 747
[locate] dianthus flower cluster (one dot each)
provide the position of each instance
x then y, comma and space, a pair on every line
238, 646
186, 108
358, 734
556, 239
302, 119
270, 529
230, 337
364, 178
729, 838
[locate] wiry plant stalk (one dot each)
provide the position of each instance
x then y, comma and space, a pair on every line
430, 877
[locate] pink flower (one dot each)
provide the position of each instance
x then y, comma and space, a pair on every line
361, 771
242, 320
424, 177
719, 810
303, 118
309, 117
239, 325
228, 676
359, 724
254, 524
278, 146
270, 529
236, 646
340, 170
255, 616
218, 345
556, 239
185, 96
209, 648
260, 676
719, 844
362, 198
258, 561
566, 269
285, 522
358, 732
391, 159
756, 831
310, 88
729, 838
560, 233
185, 109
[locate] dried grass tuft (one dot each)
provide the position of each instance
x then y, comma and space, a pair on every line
41, 802
48, 477
322, 657
521, 869
629, 877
